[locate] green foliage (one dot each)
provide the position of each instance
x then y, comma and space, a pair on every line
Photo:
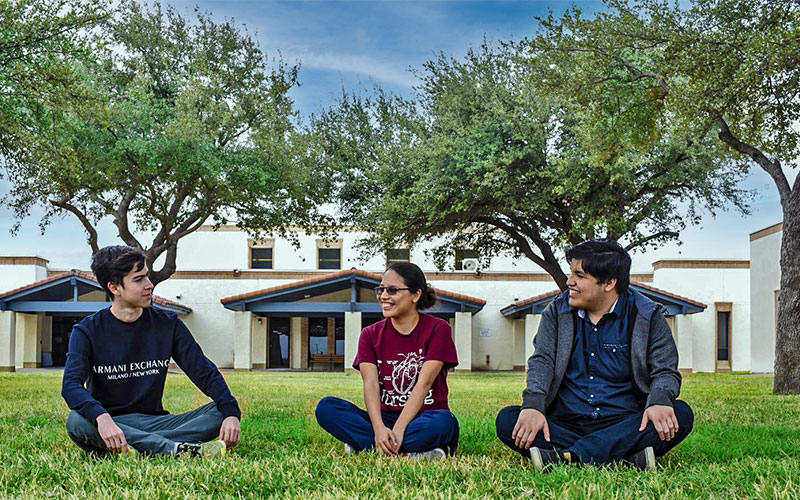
744, 445
39, 42
481, 158
725, 67
709, 66
193, 124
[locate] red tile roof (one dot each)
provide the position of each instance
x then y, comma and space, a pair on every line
668, 294
338, 274
555, 293
88, 276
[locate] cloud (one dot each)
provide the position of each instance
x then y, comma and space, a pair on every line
389, 72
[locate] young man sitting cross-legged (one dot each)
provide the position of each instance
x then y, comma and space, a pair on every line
603, 379
122, 353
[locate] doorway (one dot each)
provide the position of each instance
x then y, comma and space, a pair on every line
278, 343
62, 330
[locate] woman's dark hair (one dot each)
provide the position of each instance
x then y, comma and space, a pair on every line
415, 280
111, 264
605, 260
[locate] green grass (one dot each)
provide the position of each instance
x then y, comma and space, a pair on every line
746, 444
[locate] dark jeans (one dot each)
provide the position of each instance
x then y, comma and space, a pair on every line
150, 434
350, 424
598, 441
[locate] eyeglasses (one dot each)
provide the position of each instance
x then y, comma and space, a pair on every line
391, 290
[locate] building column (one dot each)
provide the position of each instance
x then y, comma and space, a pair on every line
518, 345
259, 346
47, 341
332, 335
295, 342
531, 327
243, 341
352, 332
32, 357
304, 343
463, 341
8, 341
682, 333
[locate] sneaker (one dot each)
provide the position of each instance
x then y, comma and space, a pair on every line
544, 459
211, 449
432, 455
644, 460
349, 449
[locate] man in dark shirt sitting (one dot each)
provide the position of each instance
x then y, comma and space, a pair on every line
122, 353
603, 380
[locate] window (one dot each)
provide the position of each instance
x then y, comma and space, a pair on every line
317, 336
723, 331
338, 329
396, 255
261, 254
329, 254
330, 258
464, 253
261, 258
723, 310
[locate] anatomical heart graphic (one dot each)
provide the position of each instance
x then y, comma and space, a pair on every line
406, 371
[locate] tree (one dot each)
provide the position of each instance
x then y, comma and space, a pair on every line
479, 159
729, 67
193, 124
39, 40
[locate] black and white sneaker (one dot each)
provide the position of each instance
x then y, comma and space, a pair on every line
644, 459
544, 459
211, 449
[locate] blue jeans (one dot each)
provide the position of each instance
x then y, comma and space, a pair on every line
350, 424
150, 434
598, 441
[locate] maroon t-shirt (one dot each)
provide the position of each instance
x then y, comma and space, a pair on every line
399, 360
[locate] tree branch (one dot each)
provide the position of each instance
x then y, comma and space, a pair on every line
92, 232
646, 239
772, 168
548, 264
121, 220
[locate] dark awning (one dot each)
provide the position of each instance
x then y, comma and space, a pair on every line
59, 295
294, 299
673, 304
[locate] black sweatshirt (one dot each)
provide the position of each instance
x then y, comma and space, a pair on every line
125, 365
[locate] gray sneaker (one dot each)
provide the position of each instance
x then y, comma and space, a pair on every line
543, 458
433, 455
644, 459
349, 449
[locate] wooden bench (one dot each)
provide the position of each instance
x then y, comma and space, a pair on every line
331, 359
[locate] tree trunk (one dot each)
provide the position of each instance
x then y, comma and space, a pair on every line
787, 331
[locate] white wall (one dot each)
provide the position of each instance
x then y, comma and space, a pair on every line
15, 275
227, 249
765, 279
710, 286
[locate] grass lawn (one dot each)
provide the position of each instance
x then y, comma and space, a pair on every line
746, 444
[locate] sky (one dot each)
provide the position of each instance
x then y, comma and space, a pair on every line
354, 45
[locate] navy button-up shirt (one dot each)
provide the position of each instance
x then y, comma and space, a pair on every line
598, 381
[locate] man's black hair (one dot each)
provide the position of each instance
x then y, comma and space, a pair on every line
111, 264
605, 260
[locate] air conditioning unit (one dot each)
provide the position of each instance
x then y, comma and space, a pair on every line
470, 265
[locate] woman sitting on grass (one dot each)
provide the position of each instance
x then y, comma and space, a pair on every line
403, 361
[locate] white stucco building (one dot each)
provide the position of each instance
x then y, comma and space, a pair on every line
267, 304
765, 289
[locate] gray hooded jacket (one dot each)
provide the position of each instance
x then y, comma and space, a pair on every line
654, 357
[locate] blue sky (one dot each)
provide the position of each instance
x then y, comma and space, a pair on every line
355, 44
